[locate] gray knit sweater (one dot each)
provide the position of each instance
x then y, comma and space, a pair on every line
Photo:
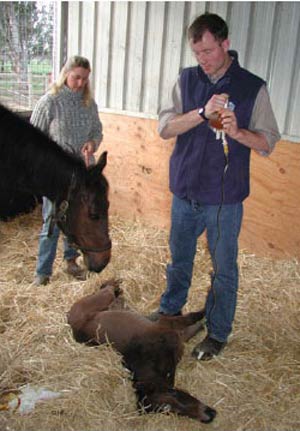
67, 120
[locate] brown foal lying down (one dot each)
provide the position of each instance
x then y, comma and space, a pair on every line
150, 350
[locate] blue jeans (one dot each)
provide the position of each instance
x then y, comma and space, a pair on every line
222, 224
48, 245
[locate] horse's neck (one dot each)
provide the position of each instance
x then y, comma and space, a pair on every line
31, 162
56, 179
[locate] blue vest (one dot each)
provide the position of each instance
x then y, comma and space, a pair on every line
197, 162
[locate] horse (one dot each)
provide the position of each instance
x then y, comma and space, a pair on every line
32, 164
150, 350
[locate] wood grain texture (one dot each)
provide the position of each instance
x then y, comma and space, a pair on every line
138, 168
271, 223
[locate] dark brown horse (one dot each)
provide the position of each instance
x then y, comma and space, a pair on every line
32, 164
150, 350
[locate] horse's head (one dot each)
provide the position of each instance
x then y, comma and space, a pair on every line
83, 216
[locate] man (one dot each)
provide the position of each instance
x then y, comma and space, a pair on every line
209, 181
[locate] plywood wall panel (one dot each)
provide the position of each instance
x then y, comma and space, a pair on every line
272, 222
138, 167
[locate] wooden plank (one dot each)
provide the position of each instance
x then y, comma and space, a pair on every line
282, 65
137, 169
271, 224
133, 78
118, 54
153, 55
195, 9
220, 8
261, 39
172, 52
239, 28
102, 50
294, 111
138, 172
88, 30
74, 30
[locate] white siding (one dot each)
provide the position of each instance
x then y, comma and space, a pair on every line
137, 49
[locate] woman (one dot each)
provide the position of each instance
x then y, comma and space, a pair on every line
69, 115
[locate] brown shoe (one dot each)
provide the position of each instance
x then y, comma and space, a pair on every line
74, 269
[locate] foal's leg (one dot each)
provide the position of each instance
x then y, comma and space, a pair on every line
192, 330
181, 322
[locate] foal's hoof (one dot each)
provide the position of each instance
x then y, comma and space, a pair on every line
209, 415
111, 283
115, 284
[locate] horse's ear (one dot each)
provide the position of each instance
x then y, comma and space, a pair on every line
95, 171
102, 161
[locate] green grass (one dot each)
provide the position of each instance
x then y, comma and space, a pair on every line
36, 66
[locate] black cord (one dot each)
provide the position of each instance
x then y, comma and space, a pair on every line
213, 254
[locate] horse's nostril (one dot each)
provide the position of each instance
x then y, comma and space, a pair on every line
96, 266
210, 415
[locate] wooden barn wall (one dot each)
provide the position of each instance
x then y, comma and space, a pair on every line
137, 49
137, 170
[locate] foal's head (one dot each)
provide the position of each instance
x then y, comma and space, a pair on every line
153, 359
85, 222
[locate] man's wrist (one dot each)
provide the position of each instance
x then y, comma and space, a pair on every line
201, 113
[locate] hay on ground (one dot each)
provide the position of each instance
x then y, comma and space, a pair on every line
254, 385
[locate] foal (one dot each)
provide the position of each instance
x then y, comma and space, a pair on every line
150, 350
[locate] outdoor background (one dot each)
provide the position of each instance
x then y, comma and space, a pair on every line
26, 52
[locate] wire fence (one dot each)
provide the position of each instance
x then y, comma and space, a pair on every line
26, 52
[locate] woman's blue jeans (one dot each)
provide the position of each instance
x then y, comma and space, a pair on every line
222, 224
48, 244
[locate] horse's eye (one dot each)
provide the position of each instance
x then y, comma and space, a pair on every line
94, 216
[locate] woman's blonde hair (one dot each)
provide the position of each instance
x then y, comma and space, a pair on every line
72, 63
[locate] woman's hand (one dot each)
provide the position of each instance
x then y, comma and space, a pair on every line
88, 150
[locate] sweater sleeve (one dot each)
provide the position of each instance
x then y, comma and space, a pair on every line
96, 134
41, 115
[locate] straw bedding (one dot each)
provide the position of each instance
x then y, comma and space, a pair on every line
254, 385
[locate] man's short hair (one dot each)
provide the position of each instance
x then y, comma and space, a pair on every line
208, 22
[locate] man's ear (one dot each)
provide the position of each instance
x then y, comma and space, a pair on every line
225, 45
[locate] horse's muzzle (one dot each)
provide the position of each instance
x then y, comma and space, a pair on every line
96, 262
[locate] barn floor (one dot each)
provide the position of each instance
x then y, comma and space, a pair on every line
254, 385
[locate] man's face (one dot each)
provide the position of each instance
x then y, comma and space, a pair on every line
211, 54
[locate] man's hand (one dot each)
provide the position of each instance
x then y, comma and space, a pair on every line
215, 104
229, 121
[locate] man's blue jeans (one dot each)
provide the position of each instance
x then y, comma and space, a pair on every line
222, 224
48, 245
